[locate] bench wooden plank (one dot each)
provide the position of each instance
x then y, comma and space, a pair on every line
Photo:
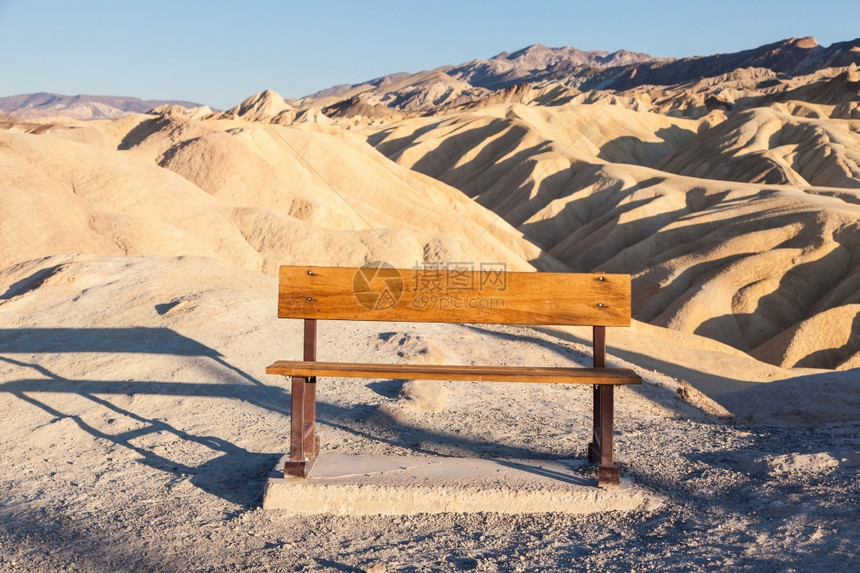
548, 375
487, 296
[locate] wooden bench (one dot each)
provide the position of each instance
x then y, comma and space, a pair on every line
455, 294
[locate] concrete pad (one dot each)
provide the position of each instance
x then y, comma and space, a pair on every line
405, 485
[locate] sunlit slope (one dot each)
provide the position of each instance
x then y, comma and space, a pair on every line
253, 194
768, 269
776, 145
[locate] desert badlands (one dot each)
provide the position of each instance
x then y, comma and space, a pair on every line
138, 261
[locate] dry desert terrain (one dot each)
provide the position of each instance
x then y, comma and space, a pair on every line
138, 261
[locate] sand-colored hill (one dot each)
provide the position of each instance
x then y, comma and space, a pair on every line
486, 144
179, 111
829, 92
358, 108
259, 107
751, 266
794, 144
255, 195
427, 90
545, 93
745, 246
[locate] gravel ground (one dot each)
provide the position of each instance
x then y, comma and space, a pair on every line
130, 484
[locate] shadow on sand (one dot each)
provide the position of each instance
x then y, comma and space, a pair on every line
230, 472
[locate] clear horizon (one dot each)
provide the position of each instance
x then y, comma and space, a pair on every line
218, 53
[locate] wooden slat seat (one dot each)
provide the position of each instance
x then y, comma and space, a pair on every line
545, 375
455, 294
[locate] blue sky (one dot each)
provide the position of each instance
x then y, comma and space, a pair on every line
220, 52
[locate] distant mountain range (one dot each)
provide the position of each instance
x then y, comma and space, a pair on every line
581, 71
791, 57
34, 106
537, 63
534, 63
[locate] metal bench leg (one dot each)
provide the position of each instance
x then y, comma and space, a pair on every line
600, 448
607, 472
304, 446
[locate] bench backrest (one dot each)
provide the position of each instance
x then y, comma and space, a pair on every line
459, 294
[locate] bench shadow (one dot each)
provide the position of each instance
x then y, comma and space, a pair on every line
700, 380
227, 475
232, 470
418, 440
563, 351
136, 340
